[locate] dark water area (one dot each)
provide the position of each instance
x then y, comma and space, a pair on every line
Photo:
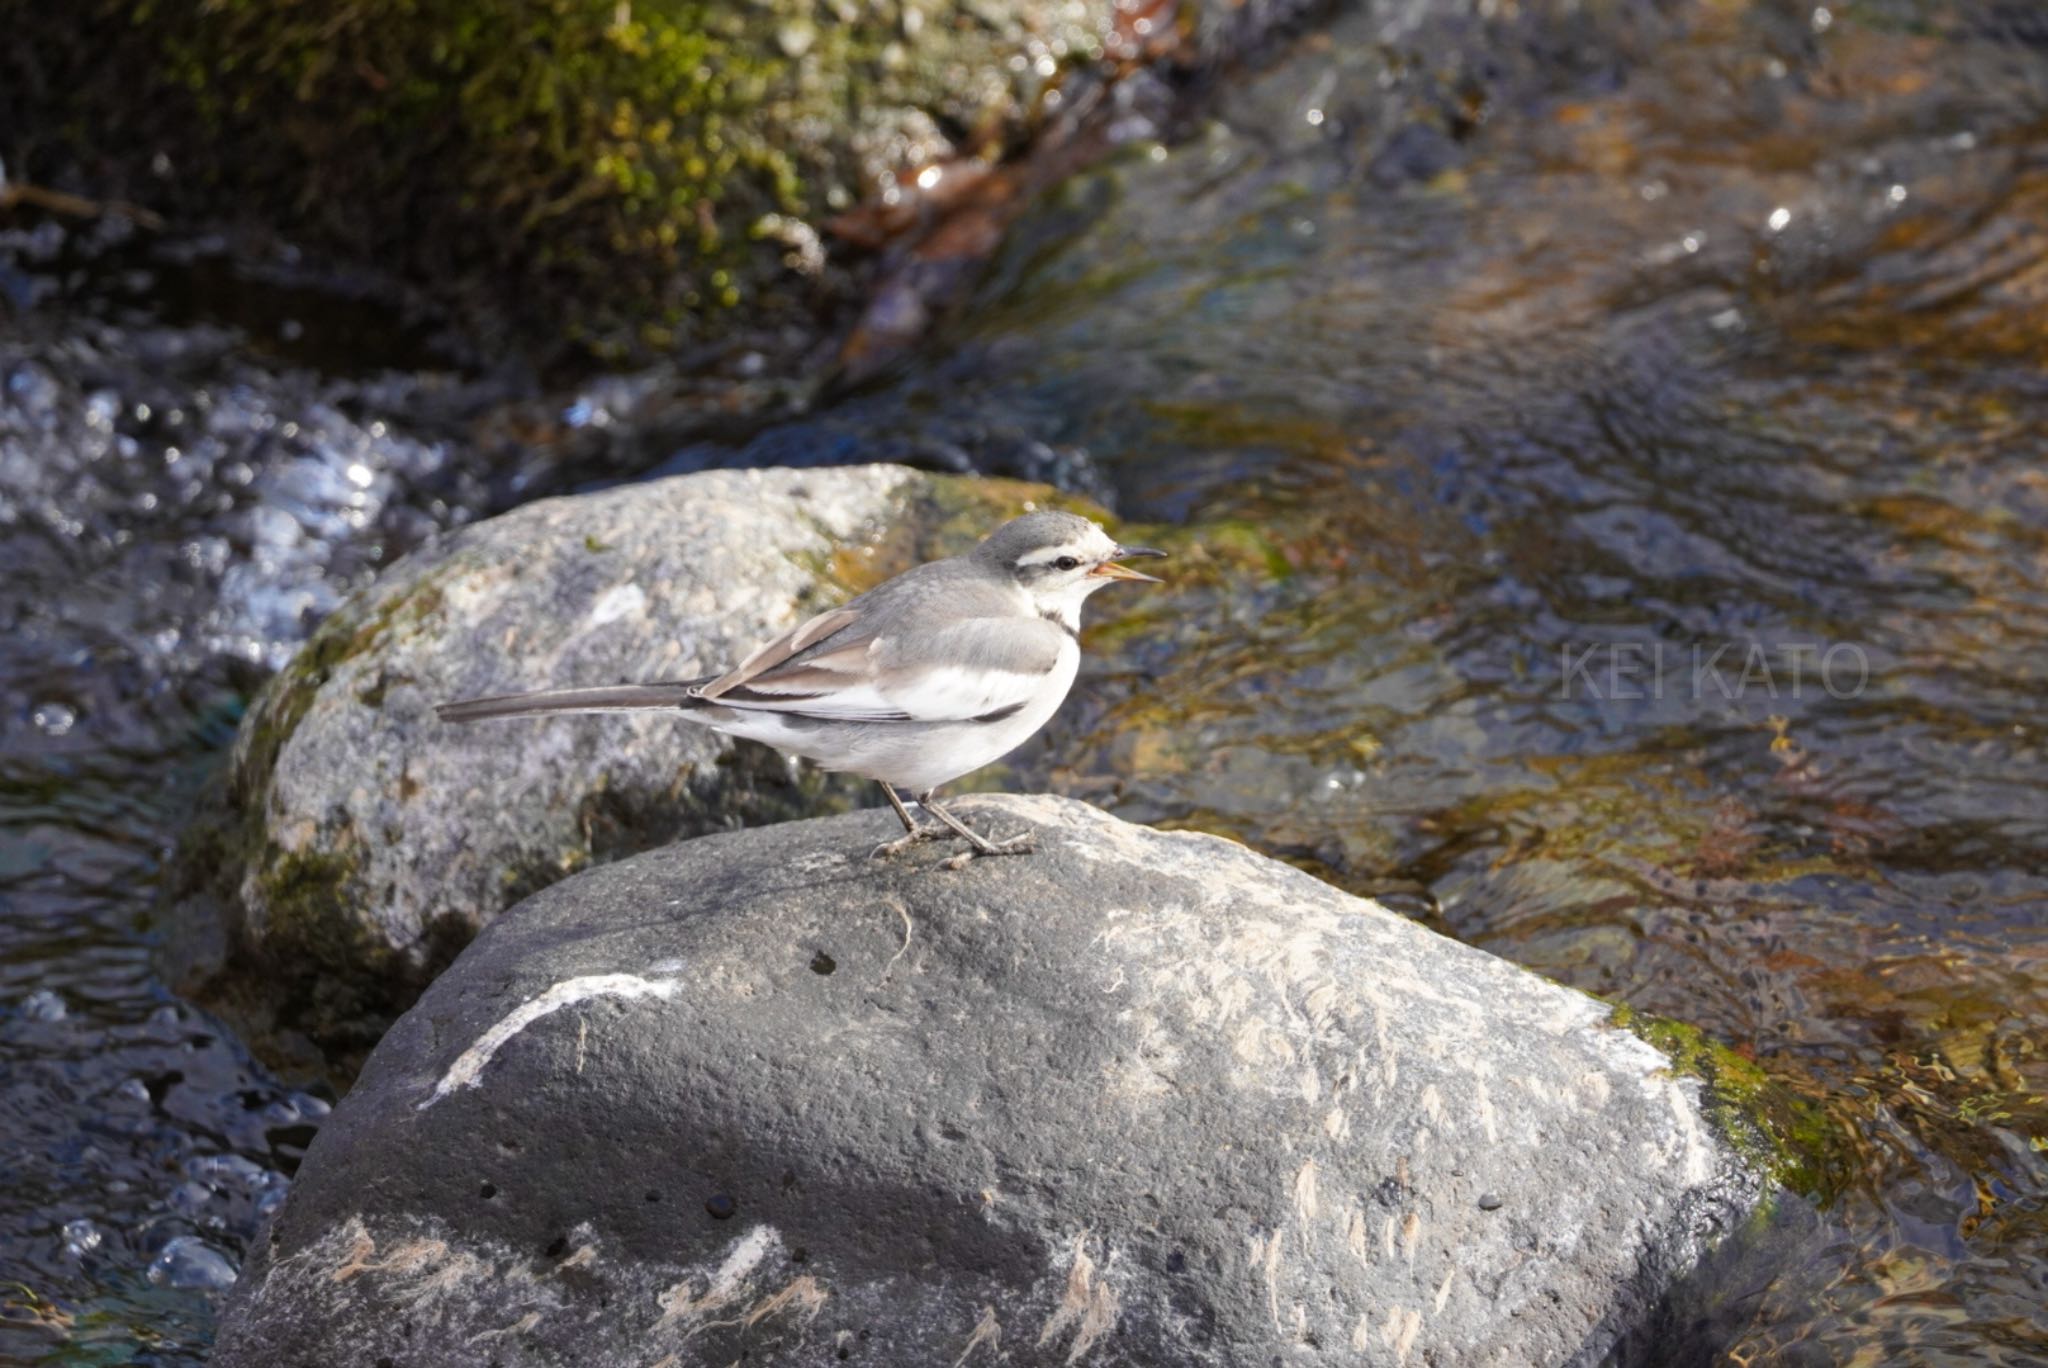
200, 457
1603, 448
175, 510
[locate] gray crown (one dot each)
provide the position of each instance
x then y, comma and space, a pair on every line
1032, 532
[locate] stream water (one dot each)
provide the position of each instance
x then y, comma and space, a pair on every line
1616, 432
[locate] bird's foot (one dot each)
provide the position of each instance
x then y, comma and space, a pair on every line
981, 845
910, 840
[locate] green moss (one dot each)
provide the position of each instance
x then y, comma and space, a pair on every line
358, 626
615, 159
308, 899
1787, 1137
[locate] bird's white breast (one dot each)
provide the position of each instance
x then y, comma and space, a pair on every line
946, 751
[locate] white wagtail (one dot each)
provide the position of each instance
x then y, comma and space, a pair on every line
918, 681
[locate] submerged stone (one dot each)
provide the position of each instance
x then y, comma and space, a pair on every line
1139, 1098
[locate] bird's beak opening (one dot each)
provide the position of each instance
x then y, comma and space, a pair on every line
1109, 569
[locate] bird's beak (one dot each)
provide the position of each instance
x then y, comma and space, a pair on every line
1109, 569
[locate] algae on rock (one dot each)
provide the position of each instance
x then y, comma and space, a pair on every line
1777, 1131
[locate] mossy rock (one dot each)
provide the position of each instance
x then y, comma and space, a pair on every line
358, 843
1780, 1133
622, 170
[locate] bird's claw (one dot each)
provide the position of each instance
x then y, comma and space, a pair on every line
978, 845
917, 836
982, 845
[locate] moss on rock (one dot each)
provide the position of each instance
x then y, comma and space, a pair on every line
635, 168
1784, 1135
358, 626
309, 902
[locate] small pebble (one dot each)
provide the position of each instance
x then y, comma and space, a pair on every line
81, 1237
721, 1207
309, 1107
224, 1169
54, 719
188, 1261
1489, 1201
43, 1005
189, 1199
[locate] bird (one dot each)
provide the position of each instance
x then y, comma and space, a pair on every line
926, 677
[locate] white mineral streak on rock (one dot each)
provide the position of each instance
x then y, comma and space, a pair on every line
1403, 1324
725, 1285
467, 1068
1305, 1205
1488, 1118
1688, 1147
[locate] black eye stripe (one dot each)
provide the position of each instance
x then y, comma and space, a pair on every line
1039, 569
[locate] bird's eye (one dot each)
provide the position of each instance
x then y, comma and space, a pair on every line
1066, 563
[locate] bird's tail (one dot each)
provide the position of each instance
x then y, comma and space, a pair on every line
612, 698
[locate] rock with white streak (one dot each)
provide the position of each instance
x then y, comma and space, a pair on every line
363, 841
1141, 1098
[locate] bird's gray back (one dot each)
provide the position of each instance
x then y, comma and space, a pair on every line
954, 588
930, 598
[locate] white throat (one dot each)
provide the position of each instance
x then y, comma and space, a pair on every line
1064, 606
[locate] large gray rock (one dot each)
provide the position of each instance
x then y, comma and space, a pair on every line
1140, 1098
366, 841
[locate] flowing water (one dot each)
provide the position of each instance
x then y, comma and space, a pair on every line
1603, 447
174, 510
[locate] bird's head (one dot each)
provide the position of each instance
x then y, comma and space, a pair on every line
1059, 559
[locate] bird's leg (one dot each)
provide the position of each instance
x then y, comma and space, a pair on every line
902, 812
914, 833
982, 845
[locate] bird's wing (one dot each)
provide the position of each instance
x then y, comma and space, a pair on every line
970, 668
767, 657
